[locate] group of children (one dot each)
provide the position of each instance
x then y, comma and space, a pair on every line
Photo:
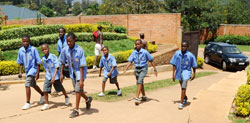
72, 61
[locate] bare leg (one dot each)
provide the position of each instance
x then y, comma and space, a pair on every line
103, 86
95, 60
46, 97
143, 90
78, 98
117, 85
65, 94
28, 94
139, 86
38, 90
183, 94
84, 96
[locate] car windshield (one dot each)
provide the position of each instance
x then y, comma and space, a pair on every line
231, 50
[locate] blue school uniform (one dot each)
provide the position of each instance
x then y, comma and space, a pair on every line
108, 64
29, 58
61, 44
76, 59
183, 64
50, 64
140, 58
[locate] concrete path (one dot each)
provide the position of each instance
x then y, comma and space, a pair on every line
161, 107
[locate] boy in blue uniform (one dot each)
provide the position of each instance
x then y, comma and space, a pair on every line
51, 65
109, 63
29, 58
182, 62
78, 70
140, 57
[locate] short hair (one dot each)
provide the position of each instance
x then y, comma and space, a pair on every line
99, 27
72, 35
105, 47
26, 36
185, 42
62, 29
138, 40
45, 45
142, 35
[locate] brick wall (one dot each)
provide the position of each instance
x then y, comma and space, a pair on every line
162, 28
234, 29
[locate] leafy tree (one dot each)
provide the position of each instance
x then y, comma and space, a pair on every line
47, 11
76, 10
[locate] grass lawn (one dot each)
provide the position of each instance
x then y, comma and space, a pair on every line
110, 95
88, 47
241, 47
235, 119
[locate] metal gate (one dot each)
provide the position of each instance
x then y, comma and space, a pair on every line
193, 39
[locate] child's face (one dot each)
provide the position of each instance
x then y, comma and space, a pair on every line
105, 51
45, 50
138, 45
26, 42
61, 33
184, 47
70, 42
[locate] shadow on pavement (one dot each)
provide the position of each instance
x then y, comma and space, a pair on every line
59, 104
90, 111
4, 87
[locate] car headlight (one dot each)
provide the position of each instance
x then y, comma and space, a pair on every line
232, 59
247, 60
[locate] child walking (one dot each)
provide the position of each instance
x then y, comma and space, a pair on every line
109, 63
29, 58
77, 69
182, 62
51, 65
140, 57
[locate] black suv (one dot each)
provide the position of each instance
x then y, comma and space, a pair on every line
225, 55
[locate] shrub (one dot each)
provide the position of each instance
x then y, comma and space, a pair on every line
235, 39
1, 55
242, 100
120, 29
8, 67
9, 26
85, 28
200, 62
248, 75
30, 30
52, 38
151, 48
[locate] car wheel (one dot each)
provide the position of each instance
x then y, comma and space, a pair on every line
224, 66
207, 59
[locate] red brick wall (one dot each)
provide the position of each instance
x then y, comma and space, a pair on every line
234, 29
161, 28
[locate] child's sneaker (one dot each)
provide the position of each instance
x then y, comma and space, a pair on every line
185, 100
26, 106
75, 113
67, 101
45, 107
94, 67
101, 94
41, 100
180, 106
88, 103
119, 92
137, 101
143, 98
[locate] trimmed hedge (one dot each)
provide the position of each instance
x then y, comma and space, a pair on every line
30, 30
242, 100
52, 38
86, 28
10, 26
235, 39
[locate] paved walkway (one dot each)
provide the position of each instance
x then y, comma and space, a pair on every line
161, 107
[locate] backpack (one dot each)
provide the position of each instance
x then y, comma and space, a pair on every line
95, 34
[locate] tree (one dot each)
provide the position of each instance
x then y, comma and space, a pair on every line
47, 11
76, 10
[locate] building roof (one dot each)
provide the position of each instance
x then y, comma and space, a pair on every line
14, 12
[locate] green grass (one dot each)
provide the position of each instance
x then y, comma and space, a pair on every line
88, 47
110, 95
235, 119
241, 47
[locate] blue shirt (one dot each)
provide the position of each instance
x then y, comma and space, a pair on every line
108, 64
140, 58
29, 58
50, 64
61, 44
78, 60
183, 64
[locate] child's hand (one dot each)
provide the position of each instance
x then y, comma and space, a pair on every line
100, 75
173, 78
155, 71
61, 78
193, 76
81, 84
19, 75
52, 80
109, 74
